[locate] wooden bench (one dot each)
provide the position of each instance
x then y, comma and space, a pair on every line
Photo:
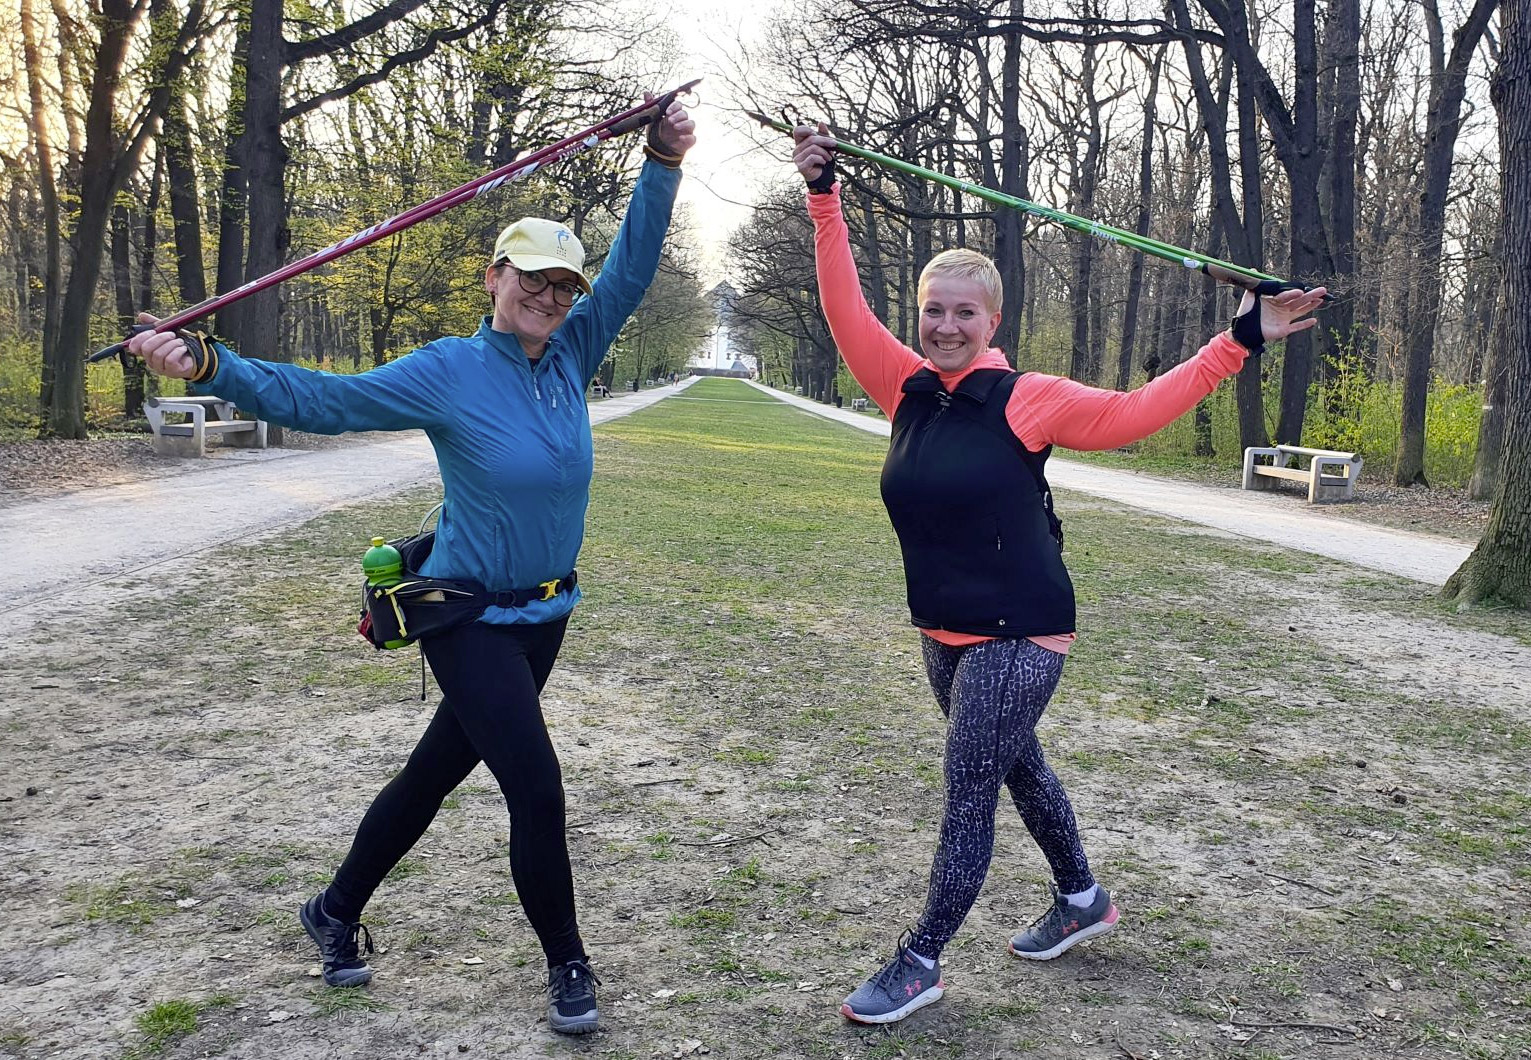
1330, 475
189, 438
599, 390
858, 404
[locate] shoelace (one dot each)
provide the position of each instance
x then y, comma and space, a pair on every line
891, 971
1054, 911
560, 987
349, 947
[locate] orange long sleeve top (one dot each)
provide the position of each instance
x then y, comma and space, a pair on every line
1043, 409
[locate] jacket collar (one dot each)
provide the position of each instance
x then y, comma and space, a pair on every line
507, 344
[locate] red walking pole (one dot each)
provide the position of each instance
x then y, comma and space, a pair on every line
616, 125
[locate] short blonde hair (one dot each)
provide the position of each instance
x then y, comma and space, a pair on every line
965, 264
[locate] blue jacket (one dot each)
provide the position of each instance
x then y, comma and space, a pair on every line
512, 436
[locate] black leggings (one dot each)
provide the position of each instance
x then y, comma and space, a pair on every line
490, 677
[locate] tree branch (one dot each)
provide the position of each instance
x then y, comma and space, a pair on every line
433, 39
346, 36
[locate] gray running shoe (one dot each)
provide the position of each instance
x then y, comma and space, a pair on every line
571, 998
338, 944
1063, 925
903, 985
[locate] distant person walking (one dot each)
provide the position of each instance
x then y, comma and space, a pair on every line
505, 410
964, 486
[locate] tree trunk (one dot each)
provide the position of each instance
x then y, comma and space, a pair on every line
264, 155
17, 217
134, 373
1009, 225
1303, 165
1443, 119
234, 187
53, 268
1487, 459
1500, 567
1145, 215
122, 268
1245, 235
1209, 327
185, 209
1342, 48
1084, 355
127, 308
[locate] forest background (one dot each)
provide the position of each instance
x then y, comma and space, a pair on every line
153, 151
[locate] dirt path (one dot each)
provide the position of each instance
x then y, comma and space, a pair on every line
1422, 557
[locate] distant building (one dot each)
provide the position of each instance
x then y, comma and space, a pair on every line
716, 356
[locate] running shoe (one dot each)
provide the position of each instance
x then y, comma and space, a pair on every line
340, 944
903, 985
571, 998
1064, 925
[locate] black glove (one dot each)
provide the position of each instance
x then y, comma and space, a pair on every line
1247, 331
658, 150
824, 183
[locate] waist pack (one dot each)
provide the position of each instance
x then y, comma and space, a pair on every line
397, 615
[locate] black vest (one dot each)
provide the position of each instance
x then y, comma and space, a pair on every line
967, 501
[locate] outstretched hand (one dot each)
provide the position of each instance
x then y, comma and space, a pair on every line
814, 151
1286, 313
163, 351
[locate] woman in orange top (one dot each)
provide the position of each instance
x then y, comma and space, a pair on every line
965, 490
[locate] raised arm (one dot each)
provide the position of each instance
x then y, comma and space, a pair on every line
1048, 410
593, 324
874, 356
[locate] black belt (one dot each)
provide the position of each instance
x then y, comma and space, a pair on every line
546, 591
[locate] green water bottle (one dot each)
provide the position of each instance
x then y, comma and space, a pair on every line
383, 566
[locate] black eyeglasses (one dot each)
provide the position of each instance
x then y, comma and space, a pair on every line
564, 294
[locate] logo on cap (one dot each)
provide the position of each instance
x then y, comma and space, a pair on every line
563, 234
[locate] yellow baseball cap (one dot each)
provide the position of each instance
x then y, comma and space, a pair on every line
533, 244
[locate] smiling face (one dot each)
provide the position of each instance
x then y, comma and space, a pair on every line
957, 321
531, 318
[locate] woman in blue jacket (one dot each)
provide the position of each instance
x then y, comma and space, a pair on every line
505, 410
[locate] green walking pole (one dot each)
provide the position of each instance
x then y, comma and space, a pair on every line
1260, 283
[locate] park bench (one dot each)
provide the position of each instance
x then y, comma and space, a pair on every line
1330, 474
599, 390
858, 404
189, 437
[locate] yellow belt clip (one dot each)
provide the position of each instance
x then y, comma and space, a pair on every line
549, 589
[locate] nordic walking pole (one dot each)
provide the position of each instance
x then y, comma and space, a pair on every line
1260, 283
616, 125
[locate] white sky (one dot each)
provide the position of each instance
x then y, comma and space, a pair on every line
725, 170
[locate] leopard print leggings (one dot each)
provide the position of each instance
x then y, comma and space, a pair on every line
993, 694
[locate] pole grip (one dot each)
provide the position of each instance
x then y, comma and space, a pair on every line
654, 111
118, 347
1263, 287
